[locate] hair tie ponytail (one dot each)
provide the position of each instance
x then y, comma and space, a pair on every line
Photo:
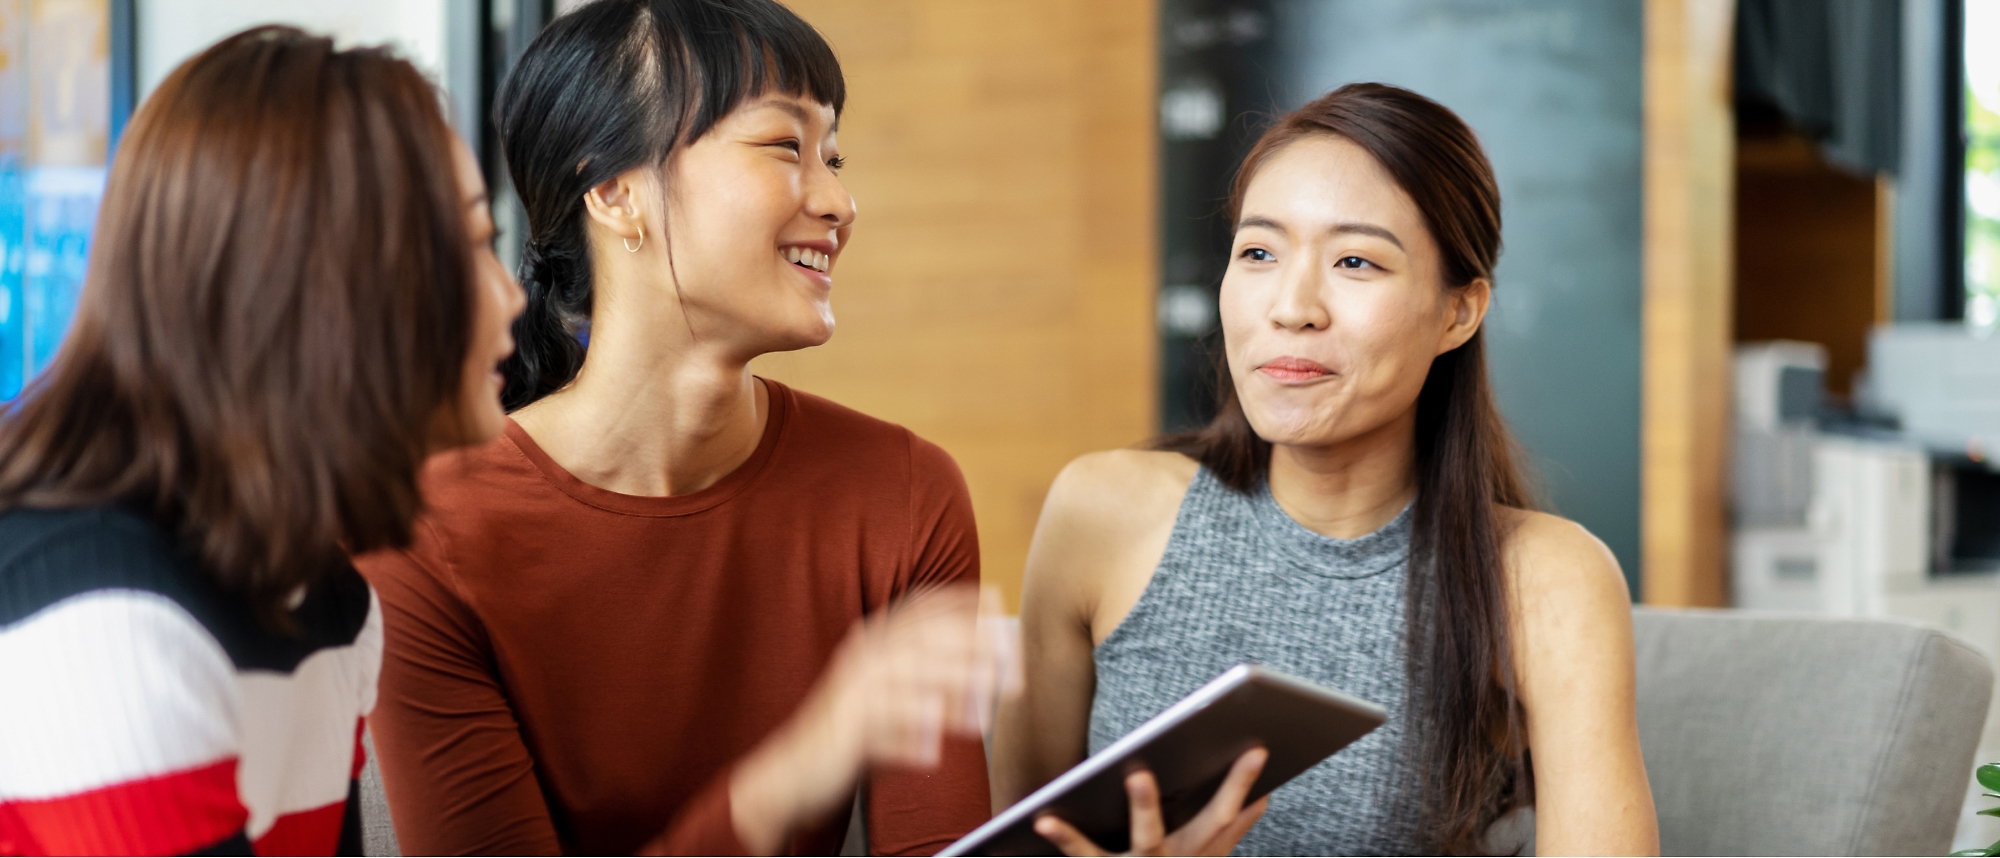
546, 354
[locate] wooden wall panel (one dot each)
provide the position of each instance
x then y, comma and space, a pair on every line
1811, 256
998, 294
1689, 172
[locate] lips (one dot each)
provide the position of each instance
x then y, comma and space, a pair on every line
1294, 369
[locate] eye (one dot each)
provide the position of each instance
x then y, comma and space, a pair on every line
1355, 262
835, 163
792, 145
1256, 254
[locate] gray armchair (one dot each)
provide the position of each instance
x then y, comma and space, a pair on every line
378, 834
1770, 734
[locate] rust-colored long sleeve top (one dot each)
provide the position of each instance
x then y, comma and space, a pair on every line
572, 669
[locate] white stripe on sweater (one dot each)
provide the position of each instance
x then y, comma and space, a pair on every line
107, 687
311, 715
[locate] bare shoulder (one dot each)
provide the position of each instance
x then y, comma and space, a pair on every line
1572, 616
1103, 528
1112, 485
1553, 559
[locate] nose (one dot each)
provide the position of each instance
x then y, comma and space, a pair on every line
517, 297
828, 201
1299, 304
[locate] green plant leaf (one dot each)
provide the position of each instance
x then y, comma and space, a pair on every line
1989, 776
1991, 811
1968, 853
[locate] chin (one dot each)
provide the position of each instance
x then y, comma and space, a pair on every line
486, 429
793, 340
815, 330
1292, 428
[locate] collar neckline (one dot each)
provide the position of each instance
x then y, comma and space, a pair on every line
745, 475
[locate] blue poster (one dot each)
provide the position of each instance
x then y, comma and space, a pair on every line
13, 268
61, 209
55, 119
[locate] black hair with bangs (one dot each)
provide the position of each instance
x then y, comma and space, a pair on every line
618, 84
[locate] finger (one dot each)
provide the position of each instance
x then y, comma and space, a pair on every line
937, 655
951, 600
949, 666
1224, 842
942, 651
1148, 831
1229, 799
991, 603
917, 724
1224, 806
952, 684
1066, 837
1000, 643
1242, 775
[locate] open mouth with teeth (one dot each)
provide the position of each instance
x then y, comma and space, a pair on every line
806, 257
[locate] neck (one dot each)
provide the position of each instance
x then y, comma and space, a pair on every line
1351, 488
654, 411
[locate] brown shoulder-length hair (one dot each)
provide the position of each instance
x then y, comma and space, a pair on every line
1465, 724
276, 309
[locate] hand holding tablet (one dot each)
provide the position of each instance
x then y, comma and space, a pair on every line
1189, 770
1213, 831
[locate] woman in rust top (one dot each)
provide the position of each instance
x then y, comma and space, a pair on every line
636, 621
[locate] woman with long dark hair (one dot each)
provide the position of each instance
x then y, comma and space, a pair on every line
1354, 516
292, 300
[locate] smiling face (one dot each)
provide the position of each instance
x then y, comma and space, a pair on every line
1334, 305
756, 219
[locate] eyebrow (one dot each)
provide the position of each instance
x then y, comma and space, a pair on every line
1336, 229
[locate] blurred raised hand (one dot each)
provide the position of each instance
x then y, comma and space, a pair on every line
932, 666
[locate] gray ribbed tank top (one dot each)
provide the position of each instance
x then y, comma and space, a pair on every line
1242, 581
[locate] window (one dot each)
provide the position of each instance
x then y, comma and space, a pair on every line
1982, 164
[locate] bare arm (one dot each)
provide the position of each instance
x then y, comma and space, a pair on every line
1574, 664
1040, 733
1102, 531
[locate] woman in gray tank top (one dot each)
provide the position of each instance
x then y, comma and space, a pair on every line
1352, 516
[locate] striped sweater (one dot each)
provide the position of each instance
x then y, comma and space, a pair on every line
144, 711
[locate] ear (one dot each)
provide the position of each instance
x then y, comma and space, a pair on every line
1467, 310
614, 205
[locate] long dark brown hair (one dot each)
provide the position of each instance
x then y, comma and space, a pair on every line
1465, 727
276, 309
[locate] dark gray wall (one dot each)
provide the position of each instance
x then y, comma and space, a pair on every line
1922, 192
1553, 89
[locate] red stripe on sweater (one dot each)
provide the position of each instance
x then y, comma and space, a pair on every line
360, 750
308, 832
164, 815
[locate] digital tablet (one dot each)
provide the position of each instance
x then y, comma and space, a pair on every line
1189, 748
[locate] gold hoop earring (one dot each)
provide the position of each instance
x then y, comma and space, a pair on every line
642, 241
